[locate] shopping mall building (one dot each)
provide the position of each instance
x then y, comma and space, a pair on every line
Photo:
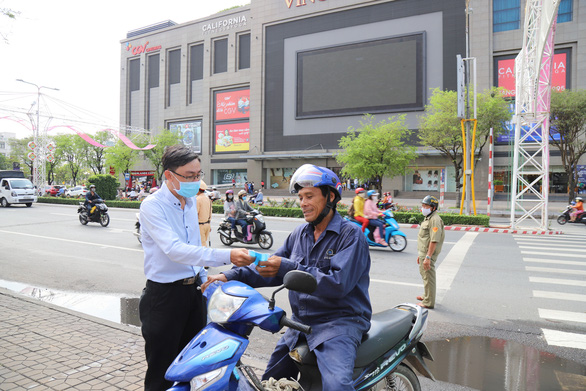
261, 89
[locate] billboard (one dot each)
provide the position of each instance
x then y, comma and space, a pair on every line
232, 137
233, 104
505, 73
189, 133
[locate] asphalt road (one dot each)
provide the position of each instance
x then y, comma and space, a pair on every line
525, 290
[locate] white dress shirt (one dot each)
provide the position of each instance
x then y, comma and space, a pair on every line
171, 239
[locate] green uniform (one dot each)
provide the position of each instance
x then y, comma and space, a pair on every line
431, 230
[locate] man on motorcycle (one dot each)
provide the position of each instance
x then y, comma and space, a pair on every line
336, 253
242, 208
372, 213
90, 197
230, 211
578, 209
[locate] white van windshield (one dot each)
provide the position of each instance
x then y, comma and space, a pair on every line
21, 184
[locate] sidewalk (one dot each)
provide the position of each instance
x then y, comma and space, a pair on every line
45, 347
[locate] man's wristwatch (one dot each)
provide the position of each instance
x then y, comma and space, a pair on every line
427, 257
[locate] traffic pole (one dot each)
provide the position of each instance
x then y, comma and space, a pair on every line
490, 164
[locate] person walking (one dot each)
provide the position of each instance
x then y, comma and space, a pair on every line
171, 307
204, 214
429, 244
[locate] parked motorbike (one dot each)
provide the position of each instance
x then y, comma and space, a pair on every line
212, 360
396, 238
137, 228
565, 217
255, 233
98, 213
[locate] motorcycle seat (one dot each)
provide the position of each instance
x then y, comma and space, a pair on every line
387, 328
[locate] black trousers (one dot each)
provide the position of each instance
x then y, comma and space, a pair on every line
171, 315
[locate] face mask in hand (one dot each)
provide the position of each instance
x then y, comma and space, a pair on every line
425, 211
187, 189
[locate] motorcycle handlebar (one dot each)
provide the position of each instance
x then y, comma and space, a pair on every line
295, 325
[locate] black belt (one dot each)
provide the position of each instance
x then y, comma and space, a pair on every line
206, 222
184, 281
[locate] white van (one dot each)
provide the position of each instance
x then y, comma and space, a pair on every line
16, 189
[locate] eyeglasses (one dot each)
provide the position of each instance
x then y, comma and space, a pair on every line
192, 178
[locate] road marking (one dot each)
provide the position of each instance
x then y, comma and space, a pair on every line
555, 270
397, 283
553, 254
72, 241
576, 246
559, 296
567, 316
451, 264
549, 239
557, 281
568, 340
553, 249
555, 261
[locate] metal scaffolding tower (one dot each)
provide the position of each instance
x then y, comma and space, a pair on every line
533, 69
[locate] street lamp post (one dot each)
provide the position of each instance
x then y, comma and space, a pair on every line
40, 140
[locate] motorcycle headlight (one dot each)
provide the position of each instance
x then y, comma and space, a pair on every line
260, 218
204, 380
222, 306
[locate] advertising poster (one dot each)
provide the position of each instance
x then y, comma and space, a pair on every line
426, 179
190, 134
233, 104
279, 178
225, 177
233, 137
506, 74
509, 136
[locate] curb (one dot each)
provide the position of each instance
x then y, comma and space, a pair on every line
491, 230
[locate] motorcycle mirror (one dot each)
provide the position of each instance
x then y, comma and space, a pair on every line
299, 281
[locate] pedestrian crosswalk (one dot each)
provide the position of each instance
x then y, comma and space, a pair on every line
556, 266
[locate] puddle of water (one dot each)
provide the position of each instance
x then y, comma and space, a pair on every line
114, 308
494, 364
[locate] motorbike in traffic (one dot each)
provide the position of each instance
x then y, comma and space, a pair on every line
137, 228
98, 213
564, 217
254, 233
396, 238
212, 360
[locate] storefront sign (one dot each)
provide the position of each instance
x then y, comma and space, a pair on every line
279, 178
581, 173
299, 3
136, 50
506, 74
232, 137
425, 179
228, 177
233, 104
224, 24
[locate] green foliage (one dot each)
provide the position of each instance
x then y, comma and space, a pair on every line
376, 150
18, 153
106, 185
96, 156
4, 163
415, 217
71, 150
155, 155
121, 157
568, 118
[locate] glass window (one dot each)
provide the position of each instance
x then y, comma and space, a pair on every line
565, 11
506, 15
221, 55
244, 51
153, 71
134, 74
174, 66
196, 62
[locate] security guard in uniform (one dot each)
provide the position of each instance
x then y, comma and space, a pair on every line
204, 214
429, 244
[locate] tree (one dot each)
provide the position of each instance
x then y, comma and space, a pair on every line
568, 118
70, 150
4, 163
121, 157
96, 156
162, 140
441, 129
19, 153
375, 150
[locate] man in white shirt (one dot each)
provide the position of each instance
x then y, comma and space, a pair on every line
171, 307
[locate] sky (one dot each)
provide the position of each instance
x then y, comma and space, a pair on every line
74, 45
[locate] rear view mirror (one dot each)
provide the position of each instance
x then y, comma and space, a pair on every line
299, 281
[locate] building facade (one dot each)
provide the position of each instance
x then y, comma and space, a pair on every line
261, 89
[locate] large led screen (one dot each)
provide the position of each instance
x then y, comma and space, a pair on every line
189, 133
232, 137
381, 75
234, 104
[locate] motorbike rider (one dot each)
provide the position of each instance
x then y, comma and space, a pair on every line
230, 211
90, 197
358, 203
242, 208
578, 209
336, 253
372, 213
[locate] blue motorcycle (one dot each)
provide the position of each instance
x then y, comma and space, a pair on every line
212, 360
396, 238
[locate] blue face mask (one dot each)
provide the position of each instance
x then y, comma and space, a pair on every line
243, 198
188, 189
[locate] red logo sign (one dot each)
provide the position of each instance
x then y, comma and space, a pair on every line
233, 105
136, 50
506, 74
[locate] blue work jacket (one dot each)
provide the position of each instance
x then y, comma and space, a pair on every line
340, 261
